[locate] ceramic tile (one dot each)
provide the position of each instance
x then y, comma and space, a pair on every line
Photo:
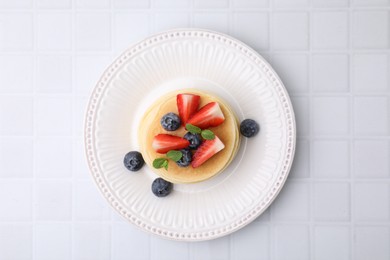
290, 31
372, 242
363, 35
372, 202
331, 201
291, 242
53, 31
330, 30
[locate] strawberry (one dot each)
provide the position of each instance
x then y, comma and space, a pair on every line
206, 150
187, 105
208, 116
163, 143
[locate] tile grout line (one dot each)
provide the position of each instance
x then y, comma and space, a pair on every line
113, 57
311, 221
35, 86
352, 132
74, 101
272, 229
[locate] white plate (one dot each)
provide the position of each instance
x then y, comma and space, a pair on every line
190, 58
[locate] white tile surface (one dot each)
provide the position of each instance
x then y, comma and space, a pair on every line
302, 114
330, 159
292, 203
91, 241
257, 37
16, 73
53, 31
129, 241
16, 241
53, 241
93, 32
16, 200
53, 116
217, 249
371, 158
250, 3
301, 164
53, 157
333, 57
291, 242
53, 200
54, 74
49, 4
363, 33
330, 30
290, 31
330, 73
295, 78
211, 3
372, 242
331, 242
16, 115
16, 31
242, 246
12, 152
331, 115
372, 202
331, 201
370, 72
371, 115
162, 249
212, 21
88, 203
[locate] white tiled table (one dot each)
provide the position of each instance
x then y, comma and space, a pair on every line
333, 56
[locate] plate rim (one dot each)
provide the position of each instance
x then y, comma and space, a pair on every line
90, 113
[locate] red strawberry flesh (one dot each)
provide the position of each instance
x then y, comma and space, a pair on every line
187, 105
206, 150
208, 116
162, 143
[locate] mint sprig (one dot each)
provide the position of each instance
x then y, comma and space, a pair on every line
193, 129
160, 163
174, 155
207, 134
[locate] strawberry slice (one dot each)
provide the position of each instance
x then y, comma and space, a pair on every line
208, 116
163, 143
187, 105
206, 150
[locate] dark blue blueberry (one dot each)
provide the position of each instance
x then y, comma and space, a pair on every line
170, 122
185, 159
249, 128
133, 161
194, 140
161, 187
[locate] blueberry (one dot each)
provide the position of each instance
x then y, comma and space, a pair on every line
161, 187
186, 159
249, 128
133, 161
170, 122
194, 140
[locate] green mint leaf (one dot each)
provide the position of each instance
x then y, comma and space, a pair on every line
174, 155
207, 134
160, 162
165, 165
193, 129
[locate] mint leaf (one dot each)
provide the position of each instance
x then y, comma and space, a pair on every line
174, 155
160, 162
165, 165
207, 134
193, 129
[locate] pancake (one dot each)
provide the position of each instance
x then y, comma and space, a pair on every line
227, 132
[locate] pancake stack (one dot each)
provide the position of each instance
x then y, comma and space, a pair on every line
227, 132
